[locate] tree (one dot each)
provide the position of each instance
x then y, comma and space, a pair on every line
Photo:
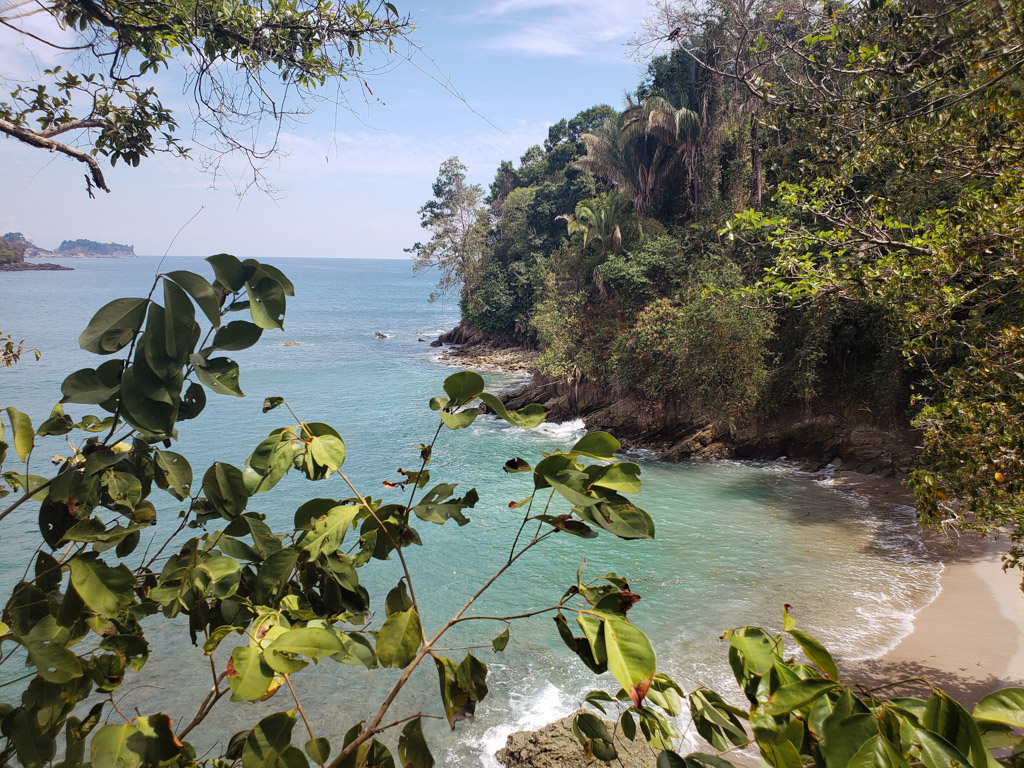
241, 63
457, 222
637, 149
906, 195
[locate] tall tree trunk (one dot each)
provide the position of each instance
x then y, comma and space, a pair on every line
755, 164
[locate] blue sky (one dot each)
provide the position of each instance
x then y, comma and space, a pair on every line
351, 183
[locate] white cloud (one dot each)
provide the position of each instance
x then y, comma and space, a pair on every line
561, 27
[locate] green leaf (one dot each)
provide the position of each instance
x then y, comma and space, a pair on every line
328, 451
224, 488
312, 642
173, 474
58, 424
1005, 706
623, 477
594, 699
501, 641
160, 743
597, 445
88, 387
271, 403
877, 752
463, 387
114, 326
329, 531
935, 751
220, 374
527, 418
236, 335
266, 302
412, 747
628, 725
204, 294
276, 274
179, 324
630, 657
105, 590
117, 746
248, 674
845, 735
318, 750
796, 695
399, 639
274, 573
397, 600
24, 437
268, 744
754, 646
229, 271
817, 653
459, 420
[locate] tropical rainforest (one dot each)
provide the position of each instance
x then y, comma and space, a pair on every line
801, 205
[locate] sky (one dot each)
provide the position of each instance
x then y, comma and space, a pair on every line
349, 182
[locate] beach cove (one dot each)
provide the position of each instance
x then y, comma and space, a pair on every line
734, 540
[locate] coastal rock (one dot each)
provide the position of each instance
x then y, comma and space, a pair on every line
293, 344
473, 348
24, 266
555, 746
678, 433
380, 334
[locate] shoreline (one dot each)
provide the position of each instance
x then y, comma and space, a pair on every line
969, 639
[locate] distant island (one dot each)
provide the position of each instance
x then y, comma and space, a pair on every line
15, 248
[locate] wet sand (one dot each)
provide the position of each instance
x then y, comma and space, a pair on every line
969, 641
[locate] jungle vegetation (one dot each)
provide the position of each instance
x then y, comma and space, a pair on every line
800, 204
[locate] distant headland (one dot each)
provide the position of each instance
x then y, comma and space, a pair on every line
15, 249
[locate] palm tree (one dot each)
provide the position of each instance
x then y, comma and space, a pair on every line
637, 149
602, 220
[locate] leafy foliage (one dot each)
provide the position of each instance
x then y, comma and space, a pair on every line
241, 62
264, 605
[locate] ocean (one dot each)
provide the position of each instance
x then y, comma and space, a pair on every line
734, 540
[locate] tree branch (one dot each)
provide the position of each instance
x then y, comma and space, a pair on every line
37, 139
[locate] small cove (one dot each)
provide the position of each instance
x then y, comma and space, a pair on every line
734, 540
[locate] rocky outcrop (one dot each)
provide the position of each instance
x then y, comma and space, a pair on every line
826, 434
822, 433
555, 746
24, 266
472, 348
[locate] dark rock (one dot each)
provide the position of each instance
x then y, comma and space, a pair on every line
24, 266
380, 334
436, 343
825, 434
555, 746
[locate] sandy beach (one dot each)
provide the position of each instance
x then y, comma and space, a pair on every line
969, 641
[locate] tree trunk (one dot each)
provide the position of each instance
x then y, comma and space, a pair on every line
755, 164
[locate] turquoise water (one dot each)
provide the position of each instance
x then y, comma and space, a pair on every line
734, 540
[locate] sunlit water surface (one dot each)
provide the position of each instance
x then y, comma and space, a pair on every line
734, 540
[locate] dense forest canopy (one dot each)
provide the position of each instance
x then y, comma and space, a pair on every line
800, 204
